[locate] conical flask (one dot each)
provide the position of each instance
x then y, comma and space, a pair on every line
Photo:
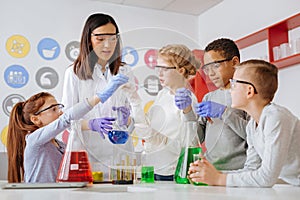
75, 166
119, 134
187, 154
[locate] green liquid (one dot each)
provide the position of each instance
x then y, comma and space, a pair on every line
147, 174
185, 158
199, 184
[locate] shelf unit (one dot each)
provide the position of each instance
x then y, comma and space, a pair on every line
275, 35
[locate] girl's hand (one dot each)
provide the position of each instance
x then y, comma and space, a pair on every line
101, 125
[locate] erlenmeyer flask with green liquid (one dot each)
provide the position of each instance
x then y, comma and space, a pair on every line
187, 155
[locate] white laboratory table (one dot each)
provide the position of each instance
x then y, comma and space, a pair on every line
158, 190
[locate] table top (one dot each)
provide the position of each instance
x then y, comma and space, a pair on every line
158, 190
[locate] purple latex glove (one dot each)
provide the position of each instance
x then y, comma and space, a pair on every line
183, 98
101, 125
123, 114
210, 109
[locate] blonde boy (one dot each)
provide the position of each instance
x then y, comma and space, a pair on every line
273, 133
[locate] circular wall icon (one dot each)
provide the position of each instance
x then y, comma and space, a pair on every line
17, 46
150, 58
72, 50
16, 76
152, 85
130, 56
48, 49
47, 78
10, 101
4, 135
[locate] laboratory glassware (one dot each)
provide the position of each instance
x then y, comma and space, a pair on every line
187, 153
75, 165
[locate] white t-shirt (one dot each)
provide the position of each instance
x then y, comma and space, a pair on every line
273, 150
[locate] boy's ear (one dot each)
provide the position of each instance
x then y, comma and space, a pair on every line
235, 60
250, 92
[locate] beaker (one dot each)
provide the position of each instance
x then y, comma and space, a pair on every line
147, 174
75, 166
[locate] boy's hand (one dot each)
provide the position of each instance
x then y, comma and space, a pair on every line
210, 109
204, 172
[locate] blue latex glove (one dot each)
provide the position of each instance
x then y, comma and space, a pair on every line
210, 109
183, 98
123, 114
101, 125
112, 86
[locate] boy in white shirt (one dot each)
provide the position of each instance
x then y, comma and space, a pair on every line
273, 133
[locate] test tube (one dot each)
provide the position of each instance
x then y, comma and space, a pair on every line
118, 172
134, 178
122, 170
127, 175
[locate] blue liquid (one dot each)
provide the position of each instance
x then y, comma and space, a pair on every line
118, 137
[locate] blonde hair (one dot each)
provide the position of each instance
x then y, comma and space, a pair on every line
180, 56
263, 75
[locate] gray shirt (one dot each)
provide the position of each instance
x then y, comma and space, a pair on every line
225, 138
273, 150
41, 157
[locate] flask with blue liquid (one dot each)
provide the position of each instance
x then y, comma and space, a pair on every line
119, 134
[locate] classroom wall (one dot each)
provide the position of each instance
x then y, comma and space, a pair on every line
39, 40
235, 19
